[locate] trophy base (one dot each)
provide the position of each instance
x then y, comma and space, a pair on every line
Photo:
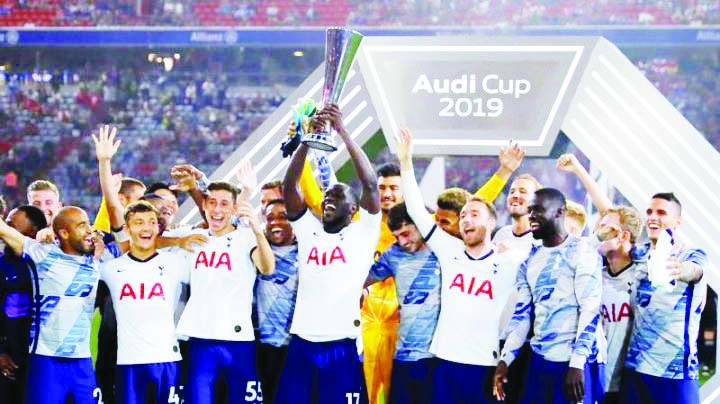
321, 141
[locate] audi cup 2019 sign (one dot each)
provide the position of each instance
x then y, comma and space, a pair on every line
470, 95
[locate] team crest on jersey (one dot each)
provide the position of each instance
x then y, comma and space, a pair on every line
140, 292
473, 286
213, 260
322, 259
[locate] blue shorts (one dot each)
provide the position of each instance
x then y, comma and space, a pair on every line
546, 379
460, 383
137, 383
412, 381
641, 388
52, 379
320, 372
212, 361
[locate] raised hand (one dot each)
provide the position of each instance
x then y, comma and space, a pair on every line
105, 144
46, 235
511, 157
404, 148
98, 244
245, 211
185, 176
331, 113
568, 163
246, 178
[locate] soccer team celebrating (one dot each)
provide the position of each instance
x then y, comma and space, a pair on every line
278, 307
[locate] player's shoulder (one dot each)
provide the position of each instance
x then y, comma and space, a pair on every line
367, 219
170, 254
394, 253
502, 233
307, 221
508, 257
581, 245
115, 264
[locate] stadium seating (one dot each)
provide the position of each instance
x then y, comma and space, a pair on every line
49, 125
354, 12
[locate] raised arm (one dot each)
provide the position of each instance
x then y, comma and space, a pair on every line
187, 178
105, 148
293, 200
413, 198
262, 255
570, 164
12, 238
370, 199
510, 159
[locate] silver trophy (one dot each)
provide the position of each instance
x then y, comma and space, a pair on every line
341, 45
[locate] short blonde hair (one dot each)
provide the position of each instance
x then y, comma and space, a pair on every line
43, 185
630, 220
528, 177
575, 211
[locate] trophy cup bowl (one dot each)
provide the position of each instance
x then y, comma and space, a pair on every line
341, 46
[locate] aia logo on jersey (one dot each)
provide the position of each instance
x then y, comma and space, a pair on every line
213, 260
615, 314
141, 292
326, 257
474, 286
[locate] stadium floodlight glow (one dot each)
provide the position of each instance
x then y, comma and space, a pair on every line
299, 53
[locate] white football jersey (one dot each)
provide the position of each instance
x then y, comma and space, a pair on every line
143, 294
618, 292
332, 270
519, 244
474, 293
222, 279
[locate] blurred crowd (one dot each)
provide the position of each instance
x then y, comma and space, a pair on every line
355, 12
165, 118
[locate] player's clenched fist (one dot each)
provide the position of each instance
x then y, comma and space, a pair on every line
568, 163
